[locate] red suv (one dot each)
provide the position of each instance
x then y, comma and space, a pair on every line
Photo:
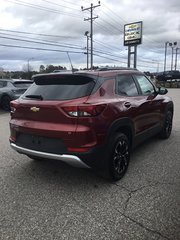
89, 118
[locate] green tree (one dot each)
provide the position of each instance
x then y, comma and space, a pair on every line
42, 68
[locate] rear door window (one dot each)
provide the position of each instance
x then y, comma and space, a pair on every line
125, 85
61, 87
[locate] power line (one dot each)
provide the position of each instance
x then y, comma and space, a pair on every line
105, 53
38, 48
108, 46
44, 40
98, 55
30, 41
40, 34
18, 2
106, 29
57, 45
58, 36
63, 51
57, 4
112, 26
114, 13
125, 22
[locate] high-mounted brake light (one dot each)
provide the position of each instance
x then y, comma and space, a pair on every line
84, 111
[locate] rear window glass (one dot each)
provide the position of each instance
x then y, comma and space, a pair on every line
22, 84
60, 87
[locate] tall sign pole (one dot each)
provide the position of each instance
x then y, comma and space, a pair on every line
175, 67
132, 38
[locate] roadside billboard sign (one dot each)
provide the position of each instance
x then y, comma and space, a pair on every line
133, 33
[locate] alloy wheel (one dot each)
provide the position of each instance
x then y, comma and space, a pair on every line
121, 156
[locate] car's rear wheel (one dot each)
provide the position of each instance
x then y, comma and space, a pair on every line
5, 103
167, 127
118, 159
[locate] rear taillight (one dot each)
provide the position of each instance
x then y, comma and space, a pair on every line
13, 109
84, 111
13, 106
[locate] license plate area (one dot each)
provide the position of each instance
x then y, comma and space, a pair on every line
40, 143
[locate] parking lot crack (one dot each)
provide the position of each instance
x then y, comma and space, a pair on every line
163, 183
145, 227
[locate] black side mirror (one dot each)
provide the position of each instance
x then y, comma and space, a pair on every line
162, 91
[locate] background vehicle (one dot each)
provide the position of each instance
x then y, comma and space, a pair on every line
11, 89
91, 118
168, 75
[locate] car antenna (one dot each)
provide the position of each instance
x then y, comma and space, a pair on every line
70, 62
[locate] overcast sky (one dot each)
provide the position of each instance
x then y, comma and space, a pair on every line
30, 29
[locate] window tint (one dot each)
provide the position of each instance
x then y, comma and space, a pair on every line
60, 87
146, 86
22, 84
1, 85
9, 84
125, 85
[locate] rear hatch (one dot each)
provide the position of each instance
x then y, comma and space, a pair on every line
40, 110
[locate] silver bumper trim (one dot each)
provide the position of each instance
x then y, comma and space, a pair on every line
69, 159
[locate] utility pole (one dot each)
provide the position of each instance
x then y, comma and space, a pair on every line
91, 8
172, 45
166, 43
176, 58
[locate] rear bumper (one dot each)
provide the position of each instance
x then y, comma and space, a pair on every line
70, 159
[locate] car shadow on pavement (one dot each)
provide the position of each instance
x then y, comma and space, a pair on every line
60, 172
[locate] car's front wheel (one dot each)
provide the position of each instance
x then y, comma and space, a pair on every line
118, 159
167, 126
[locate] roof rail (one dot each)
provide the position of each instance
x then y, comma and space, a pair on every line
114, 68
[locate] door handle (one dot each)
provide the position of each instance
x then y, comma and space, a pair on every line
127, 104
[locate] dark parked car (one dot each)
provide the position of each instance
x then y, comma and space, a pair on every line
91, 119
168, 75
11, 89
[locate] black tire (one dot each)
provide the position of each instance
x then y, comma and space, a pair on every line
167, 126
5, 103
118, 159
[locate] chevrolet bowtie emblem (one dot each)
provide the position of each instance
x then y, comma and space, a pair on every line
34, 109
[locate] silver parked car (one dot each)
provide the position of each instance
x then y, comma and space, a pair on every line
11, 89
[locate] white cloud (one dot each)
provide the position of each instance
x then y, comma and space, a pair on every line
161, 22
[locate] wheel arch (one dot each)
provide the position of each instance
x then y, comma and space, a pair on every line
123, 125
170, 107
4, 95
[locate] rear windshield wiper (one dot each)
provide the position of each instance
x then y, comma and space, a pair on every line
34, 96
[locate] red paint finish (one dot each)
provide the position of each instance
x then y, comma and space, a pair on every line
84, 123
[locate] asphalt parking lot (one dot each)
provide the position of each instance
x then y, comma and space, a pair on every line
49, 200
